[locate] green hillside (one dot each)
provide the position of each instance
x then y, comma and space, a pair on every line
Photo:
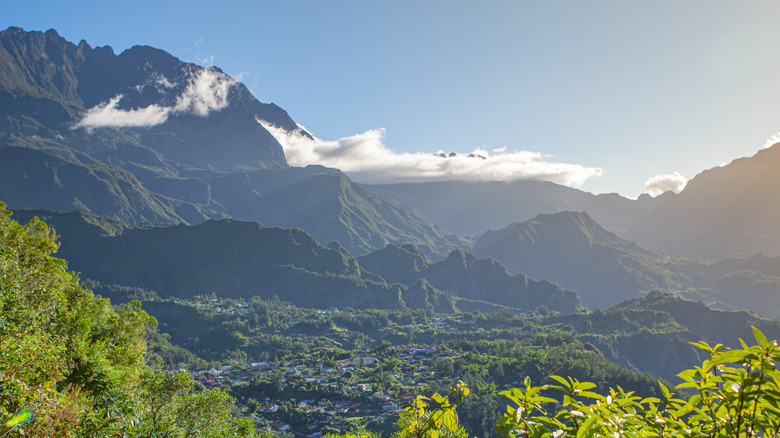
235, 259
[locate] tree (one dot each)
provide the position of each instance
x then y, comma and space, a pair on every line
72, 365
65, 353
168, 405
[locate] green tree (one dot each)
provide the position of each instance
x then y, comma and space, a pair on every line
65, 353
72, 365
169, 405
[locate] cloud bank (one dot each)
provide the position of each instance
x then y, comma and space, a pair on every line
366, 159
771, 141
207, 90
659, 184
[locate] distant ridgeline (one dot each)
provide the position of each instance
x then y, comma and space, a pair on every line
243, 259
604, 269
142, 138
727, 211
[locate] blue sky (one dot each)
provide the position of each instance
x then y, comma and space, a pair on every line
634, 89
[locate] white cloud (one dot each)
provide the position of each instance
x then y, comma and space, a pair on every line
659, 184
365, 158
206, 91
771, 141
107, 114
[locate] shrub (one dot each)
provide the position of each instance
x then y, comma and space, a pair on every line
735, 393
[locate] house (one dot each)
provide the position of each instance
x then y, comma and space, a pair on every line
367, 360
389, 406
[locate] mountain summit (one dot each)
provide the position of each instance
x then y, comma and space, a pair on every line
144, 137
573, 250
189, 115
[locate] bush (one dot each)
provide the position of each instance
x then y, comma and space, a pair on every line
736, 393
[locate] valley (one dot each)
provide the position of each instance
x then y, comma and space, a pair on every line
183, 253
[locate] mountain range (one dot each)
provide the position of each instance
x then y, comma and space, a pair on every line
144, 137
653, 333
727, 211
239, 259
151, 149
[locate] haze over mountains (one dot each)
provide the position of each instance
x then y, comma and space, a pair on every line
722, 212
604, 269
145, 139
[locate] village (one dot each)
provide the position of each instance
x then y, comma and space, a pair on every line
328, 393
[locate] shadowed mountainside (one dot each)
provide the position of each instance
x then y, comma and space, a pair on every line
466, 276
242, 259
146, 138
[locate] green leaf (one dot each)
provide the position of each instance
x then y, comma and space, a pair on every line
664, 390
583, 430
730, 356
561, 380
761, 339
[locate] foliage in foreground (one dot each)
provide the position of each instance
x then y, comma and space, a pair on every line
736, 393
70, 365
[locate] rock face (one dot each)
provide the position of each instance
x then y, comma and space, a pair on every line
144, 137
187, 114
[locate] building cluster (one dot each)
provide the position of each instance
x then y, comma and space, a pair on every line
349, 381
